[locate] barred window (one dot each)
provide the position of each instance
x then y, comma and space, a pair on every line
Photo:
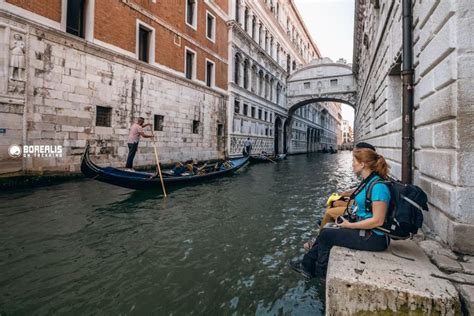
158, 123
237, 107
196, 127
103, 116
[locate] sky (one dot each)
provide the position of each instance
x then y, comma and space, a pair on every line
331, 24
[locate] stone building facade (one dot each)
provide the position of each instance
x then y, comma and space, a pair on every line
83, 71
315, 127
347, 135
443, 100
268, 42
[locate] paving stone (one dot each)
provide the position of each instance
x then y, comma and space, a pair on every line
372, 283
462, 278
467, 295
468, 267
432, 247
446, 263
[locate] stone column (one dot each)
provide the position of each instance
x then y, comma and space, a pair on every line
241, 14
249, 24
257, 32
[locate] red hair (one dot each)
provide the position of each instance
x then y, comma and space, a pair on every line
374, 161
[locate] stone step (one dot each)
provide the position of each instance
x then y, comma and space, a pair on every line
365, 283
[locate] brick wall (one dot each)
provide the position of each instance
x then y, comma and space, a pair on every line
169, 47
50, 9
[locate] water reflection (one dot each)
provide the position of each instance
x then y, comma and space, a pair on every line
216, 248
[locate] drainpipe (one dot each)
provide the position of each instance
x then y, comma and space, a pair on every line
407, 111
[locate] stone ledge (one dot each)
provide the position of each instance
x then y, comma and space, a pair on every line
365, 283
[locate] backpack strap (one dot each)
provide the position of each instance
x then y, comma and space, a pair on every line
359, 188
368, 195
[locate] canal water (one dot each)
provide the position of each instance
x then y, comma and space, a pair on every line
219, 248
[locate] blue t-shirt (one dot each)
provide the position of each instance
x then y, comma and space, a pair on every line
380, 192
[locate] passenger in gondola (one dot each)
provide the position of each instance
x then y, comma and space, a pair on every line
178, 169
136, 131
191, 167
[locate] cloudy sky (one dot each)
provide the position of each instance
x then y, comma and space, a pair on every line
331, 24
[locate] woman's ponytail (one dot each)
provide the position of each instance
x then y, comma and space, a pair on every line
374, 161
381, 167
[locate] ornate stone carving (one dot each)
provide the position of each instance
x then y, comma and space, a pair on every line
258, 144
17, 57
16, 80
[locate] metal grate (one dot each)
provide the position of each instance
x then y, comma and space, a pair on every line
158, 123
103, 116
196, 125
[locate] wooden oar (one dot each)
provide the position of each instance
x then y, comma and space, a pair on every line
268, 159
158, 163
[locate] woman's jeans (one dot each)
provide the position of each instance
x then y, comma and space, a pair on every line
132, 150
315, 262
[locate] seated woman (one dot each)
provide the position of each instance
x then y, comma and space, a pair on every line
338, 207
359, 233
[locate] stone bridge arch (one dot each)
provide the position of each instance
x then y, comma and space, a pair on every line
321, 81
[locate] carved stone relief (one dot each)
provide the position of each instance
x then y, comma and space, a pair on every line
17, 65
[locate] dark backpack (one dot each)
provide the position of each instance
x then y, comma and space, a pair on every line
404, 215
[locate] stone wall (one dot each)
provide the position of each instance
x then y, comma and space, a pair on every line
443, 118
53, 101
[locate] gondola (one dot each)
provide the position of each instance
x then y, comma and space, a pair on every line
145, 180
266, 158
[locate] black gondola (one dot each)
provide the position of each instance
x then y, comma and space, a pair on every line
145, 180
266, 158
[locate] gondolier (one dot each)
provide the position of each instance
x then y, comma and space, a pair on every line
247, 146
134, 138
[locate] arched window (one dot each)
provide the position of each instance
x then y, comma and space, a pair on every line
254, 79
278, 92
236, 68
288, 63
271, 46
261, 83
270, 94
254, 25
246, 74
294, 65
267, 86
